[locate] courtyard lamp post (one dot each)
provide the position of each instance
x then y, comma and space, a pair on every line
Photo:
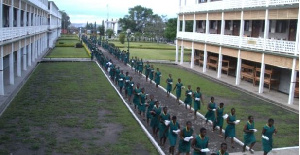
128, 34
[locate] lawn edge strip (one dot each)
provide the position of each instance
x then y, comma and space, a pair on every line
86, 49
153, 141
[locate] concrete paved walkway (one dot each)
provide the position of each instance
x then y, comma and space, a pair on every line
271, 96
292, 151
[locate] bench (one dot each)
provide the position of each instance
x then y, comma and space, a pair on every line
268, 80
199, 59
212, 62
247, 73
226, 66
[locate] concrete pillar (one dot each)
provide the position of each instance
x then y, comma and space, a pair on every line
25, 16
177, 50
1, 14
183, 24
29, 53
204, 59
11, 66
220, 63
19, 15
262, 75
207, 25
192, 56
293, 82
1, 72
19, 60
25, 57
238, 69
266, 30
11, 14
181, 53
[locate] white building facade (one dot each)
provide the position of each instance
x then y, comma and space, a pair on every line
24, 35
114, 25
256, 40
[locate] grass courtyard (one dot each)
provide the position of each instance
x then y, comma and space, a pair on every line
285, 121
68, 52
70, 108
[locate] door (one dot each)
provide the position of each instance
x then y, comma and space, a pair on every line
236, 28
255, 28
292, 30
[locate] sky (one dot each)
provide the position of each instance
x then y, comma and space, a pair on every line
82, 11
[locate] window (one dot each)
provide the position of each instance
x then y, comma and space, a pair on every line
202, 1
212, 24
227, 24
247, 25
281, 26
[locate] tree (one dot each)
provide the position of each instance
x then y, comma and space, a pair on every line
171, 29
136, 19
155, 27
101, 29
109, 32
65, 20
122, 38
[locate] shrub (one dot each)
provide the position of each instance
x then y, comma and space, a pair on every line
112, 44
61, 42
122, 38
78, 45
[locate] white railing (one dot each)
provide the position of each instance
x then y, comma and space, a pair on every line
16, 32
53, 26
234, 4
275, 46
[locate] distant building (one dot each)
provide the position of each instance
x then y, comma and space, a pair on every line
255, 40
28, 28
114, 25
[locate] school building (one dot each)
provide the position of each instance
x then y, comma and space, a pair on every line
28, 28
252, 40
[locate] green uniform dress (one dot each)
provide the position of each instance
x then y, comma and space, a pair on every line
249, 138
136, 65
147, 70
188, 97
219, 120
151, 74
169, 84
140, 66
130, 88
127, 80
136, 98
202, 144
210, 115
268, 144
132, 62
154, 121
157, 77
121, 80
178, 89
150, 108
163, 132
117, 74
142, 106
173, 136
230, 128
184, 146
220, 153
197, 105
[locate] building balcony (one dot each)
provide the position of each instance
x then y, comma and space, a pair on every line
9, 33
235, 5
39, 4
51, 27
258, 44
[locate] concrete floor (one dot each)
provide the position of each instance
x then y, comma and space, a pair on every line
279, 98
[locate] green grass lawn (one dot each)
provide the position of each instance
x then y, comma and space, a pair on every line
65, 108
144, 45
67, 52
285, 121
69, 37
66, 42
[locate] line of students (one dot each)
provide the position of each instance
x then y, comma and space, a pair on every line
167, 128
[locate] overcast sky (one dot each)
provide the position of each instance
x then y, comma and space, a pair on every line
81, 11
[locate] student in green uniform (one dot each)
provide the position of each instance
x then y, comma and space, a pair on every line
174, 126
178, 88
188, 97
130, 89
147, 70
197, 104
267, 140
169, 82
157, 77
136, 62
150, 106
219, 118
136, 97
127, 80
151, 74
155, 118
142, 107
211, 107
230, 128
200, 142
163, 128
121, 81
249, 137
140, 66
185, 146
132, 63
117, 72
223, 150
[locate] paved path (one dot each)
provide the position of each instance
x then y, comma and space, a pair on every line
173, 109
293, 151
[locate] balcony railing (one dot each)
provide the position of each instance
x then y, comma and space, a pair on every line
271, 45
9, 33
39, 4
234, 4
51, 27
